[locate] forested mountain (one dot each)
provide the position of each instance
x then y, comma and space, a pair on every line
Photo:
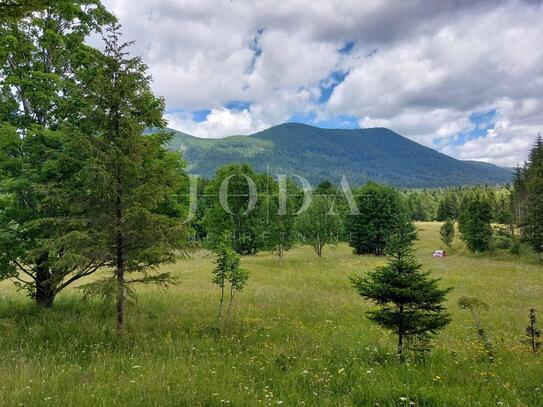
376, 154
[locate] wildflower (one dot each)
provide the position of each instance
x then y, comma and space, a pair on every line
341, 370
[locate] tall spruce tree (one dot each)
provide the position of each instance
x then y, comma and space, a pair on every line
44, 246
382, 212
410, 302
533, 221
475, 220
447, 233
129, 175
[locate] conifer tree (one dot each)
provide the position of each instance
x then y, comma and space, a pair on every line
129, 175
381, 213
410, 302
533, 221
475, 221
447, 233
533, 332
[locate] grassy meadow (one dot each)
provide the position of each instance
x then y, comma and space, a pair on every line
298, 336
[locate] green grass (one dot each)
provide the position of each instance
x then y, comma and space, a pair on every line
298, 337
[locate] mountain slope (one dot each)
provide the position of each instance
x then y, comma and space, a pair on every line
376, 154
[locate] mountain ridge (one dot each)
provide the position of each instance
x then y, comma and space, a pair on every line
378, 154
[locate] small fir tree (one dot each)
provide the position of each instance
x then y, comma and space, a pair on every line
447, 233
410, 302
533, 333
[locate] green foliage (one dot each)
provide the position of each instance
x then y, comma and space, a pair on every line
410, 302
228, 272
280, 232
382, 213
449, 206
316, 226
475, 221
361, 155
128, 176
422, 204
533, 332
247, 219
533, 220
16, 9
44, 62
447, 233
297, 330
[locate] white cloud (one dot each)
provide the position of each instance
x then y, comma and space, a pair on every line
420, 67
218, 123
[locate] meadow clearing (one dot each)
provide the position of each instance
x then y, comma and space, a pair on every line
298, 336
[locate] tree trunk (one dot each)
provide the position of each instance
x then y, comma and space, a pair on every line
400, 346
220, 306
45, 291
120, 285
120, 269
400, 336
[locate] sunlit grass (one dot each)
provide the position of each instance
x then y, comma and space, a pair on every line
298, 337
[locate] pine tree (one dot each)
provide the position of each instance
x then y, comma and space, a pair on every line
129, 175
534, 198
533, 333
448, 206
518, 199
475, 221
410, 302
447, 233
381, 213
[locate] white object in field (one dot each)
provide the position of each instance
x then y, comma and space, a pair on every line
439, 253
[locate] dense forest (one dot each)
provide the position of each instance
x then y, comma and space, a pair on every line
362, 155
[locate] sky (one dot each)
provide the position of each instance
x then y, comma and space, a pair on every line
463, 77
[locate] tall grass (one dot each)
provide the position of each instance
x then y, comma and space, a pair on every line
298, 337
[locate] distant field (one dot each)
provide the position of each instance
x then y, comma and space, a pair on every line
298, 337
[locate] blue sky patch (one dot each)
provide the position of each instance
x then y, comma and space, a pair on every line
200, 116
238, 105
347, 48
338, 122
328, 85
482, 122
